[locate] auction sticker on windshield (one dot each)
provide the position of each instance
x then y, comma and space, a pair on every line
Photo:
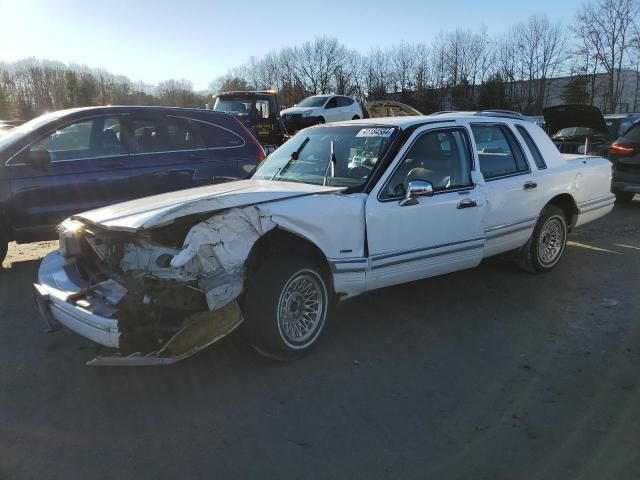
375, 132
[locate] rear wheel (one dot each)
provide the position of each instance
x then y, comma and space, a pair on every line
624, 197
545, 247
286, 307
4, 245
321, 120
355, 117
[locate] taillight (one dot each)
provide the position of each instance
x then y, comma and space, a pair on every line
261, 154
617, 149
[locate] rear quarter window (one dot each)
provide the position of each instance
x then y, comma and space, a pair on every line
215, 136
533, 148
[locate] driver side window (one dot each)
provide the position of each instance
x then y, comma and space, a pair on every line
441, 157
333, 103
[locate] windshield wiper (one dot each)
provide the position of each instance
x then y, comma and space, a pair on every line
294, 156
331, 166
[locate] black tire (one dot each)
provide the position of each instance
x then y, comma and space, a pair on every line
273, 288
355, 117
321, 120
4, 245
624, 197
552, 221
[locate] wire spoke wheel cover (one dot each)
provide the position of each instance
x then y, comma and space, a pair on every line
551, 241
302, 308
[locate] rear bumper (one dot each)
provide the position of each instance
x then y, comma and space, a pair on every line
58, 282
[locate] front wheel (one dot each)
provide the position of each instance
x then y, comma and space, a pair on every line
545, 247
286, 307
321, 120
355, 117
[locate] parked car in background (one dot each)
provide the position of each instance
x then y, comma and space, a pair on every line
259, 111
624, 154
337, 211
69, 161
388, 108
619, 123
576, 127
320, 109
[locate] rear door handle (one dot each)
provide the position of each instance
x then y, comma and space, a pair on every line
529, 185
467, 203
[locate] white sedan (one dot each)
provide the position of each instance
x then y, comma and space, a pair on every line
338, 210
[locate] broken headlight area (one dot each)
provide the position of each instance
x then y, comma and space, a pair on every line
164, 311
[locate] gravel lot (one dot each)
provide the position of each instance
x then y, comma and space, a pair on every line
483, 374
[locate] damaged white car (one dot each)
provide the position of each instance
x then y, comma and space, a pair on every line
338, 210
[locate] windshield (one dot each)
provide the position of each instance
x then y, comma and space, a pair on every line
313, 102
307, 157
13, 135
577, 132
237, 106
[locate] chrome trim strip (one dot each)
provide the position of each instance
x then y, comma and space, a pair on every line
506, 225
509, 232
596, 201
596, 207
429, 255
350, 265
417, 250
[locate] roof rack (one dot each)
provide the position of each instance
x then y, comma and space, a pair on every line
499, 113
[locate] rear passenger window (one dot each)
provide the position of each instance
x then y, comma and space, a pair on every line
533, 148
181, 134
148, 136
217, 137
498, 151
344, 101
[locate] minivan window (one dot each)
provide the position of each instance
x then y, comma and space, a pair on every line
344, 101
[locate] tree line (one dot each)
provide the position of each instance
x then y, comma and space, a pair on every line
459, 69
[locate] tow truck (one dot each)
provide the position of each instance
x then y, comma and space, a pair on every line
259, 111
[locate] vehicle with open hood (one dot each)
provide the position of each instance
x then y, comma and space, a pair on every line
338, 210
577, 128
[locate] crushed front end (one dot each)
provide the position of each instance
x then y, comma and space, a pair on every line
157, 296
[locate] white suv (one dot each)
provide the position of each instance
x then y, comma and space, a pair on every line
320, 109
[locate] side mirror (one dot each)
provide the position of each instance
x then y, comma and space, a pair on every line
415, 189
39, 158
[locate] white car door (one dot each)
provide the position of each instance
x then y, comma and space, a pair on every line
513, 196
434, 234
331, 111
345, 108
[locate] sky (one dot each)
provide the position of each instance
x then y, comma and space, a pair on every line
155, 40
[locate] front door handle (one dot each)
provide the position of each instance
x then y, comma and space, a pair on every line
529, 185
467, 203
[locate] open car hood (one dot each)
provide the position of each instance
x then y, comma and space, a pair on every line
159, 210
387, 108
564, 116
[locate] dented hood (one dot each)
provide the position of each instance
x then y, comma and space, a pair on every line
151, 212
565, 116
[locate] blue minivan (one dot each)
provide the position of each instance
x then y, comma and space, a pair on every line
76, 160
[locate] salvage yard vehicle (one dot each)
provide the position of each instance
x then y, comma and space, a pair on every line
320, 109
74, 160
624, 154
259, 111
574, 128
337, 211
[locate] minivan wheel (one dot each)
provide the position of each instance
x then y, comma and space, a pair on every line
286, 307
547, 243
4, 245
355, 117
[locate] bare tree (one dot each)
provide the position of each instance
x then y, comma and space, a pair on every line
606, 28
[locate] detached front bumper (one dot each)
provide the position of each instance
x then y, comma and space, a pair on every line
293, 124
59, 282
